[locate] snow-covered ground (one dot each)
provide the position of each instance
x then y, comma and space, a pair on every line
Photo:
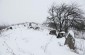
24, 41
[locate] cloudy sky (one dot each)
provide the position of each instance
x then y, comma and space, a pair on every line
17, 11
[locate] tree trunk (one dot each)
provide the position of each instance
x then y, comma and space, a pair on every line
60, 27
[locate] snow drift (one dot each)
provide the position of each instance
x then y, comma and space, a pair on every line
21, 40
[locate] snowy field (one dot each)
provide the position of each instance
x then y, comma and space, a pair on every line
24, 41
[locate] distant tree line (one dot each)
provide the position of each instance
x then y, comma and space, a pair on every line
3, 27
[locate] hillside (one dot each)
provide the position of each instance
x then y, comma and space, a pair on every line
22, 40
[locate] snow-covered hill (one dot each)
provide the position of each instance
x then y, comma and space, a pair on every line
22, 40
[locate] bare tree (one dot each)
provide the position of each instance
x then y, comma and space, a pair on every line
65, 16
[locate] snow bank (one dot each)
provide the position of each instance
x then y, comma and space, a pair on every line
80, 46
71, 33
24, 41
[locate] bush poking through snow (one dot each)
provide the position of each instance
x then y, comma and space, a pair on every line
70, 41
52, 32
61, 34
3, 27
10, 27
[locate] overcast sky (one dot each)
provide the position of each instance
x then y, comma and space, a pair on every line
17, 11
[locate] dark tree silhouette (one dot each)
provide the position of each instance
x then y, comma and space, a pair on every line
65, 16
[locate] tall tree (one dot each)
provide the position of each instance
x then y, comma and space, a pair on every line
65, 16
